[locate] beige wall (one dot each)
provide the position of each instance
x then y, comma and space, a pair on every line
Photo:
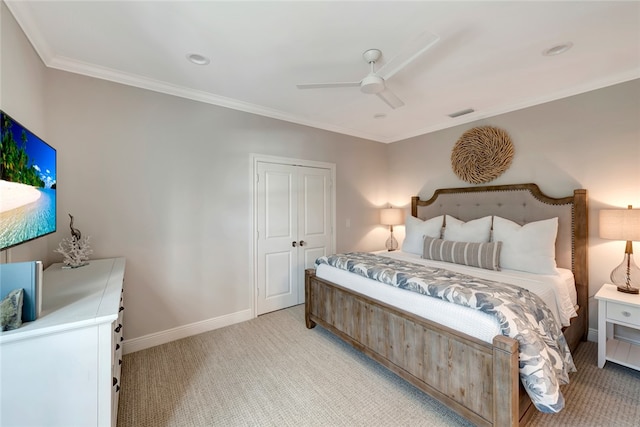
587, 141
166, 182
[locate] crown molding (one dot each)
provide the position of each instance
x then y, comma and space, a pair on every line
78, 67
531, 102
104, 73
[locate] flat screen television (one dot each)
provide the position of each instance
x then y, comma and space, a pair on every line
27, 185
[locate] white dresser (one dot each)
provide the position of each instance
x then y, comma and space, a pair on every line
64, 368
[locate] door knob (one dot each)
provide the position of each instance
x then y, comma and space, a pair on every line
301, 242
294, 243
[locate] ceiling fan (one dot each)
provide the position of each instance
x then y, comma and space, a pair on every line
374, 82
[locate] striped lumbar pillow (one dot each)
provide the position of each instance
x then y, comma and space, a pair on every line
483, 255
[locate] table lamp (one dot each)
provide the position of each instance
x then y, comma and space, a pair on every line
391, 217
623, 224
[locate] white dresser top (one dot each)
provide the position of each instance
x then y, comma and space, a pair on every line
75, 297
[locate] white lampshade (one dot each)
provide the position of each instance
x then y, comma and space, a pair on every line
623, 224
620, 224
390, 216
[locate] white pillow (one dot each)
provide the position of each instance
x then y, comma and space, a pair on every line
416, 229
531, 247
476, 230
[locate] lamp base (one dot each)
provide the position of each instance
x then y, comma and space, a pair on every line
391, 244
626, 276
628, 290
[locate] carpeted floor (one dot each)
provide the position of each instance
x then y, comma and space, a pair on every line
272, 371
607, 397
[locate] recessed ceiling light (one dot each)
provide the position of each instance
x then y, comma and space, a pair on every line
198, 59
557, 49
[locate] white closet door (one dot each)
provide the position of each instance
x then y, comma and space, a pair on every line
314, 219
277, 237
294, 229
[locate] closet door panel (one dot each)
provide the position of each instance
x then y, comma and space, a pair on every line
277, 202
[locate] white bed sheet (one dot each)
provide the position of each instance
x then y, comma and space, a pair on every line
557, 291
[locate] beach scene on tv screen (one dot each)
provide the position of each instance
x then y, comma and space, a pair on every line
27, 185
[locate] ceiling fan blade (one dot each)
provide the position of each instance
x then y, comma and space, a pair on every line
327, 85
390, 99
407, 54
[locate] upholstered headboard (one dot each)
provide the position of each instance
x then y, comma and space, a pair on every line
521, 203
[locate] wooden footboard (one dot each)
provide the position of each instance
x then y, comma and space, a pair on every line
475, 379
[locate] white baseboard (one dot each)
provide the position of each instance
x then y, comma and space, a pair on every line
592, 335
152, 340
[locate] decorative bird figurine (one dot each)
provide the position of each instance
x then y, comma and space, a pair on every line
74, 231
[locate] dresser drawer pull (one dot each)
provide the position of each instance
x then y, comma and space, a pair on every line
117, 329
115, 381
121, 308
626, 314
117, 346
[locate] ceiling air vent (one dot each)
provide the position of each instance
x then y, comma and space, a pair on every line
461, 113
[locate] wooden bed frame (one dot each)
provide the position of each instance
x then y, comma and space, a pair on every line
480, 381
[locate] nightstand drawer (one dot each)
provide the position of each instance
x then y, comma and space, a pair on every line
623, 313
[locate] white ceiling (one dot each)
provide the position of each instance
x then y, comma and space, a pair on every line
489, 56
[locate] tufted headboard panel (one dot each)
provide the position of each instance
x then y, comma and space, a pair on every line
514, 203
521, 203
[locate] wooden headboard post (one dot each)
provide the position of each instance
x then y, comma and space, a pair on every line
581, 253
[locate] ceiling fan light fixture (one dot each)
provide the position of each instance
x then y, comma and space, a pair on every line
198, 59
557, 49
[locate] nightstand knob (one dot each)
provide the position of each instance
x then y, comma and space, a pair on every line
626, 314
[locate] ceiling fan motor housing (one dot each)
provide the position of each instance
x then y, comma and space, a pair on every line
372, 84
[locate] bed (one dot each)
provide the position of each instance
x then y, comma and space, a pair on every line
477, 379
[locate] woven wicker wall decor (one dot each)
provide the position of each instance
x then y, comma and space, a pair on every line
482, 154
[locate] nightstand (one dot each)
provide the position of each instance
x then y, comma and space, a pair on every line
620, 309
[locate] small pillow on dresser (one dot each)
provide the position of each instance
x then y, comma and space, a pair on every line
482, 255
530, 247
476, 230
11, 310
415, 231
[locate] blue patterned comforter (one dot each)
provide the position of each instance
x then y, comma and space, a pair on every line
545, 360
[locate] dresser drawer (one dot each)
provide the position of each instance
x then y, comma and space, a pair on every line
623, 313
